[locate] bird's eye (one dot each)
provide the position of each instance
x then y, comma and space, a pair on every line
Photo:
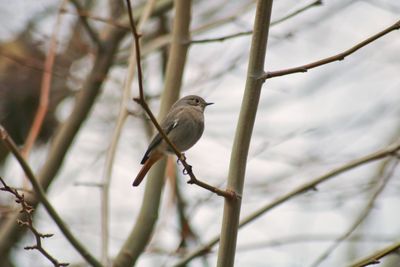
196, 101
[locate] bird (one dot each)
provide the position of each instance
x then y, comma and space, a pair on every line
183, 124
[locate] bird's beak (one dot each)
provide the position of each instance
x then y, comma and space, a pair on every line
207, 104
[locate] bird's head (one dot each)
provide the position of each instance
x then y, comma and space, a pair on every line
193, 100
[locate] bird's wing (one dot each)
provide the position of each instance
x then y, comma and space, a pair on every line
167, 127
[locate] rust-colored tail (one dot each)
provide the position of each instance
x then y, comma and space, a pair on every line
146, 167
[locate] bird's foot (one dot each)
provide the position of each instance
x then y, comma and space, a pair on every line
187, 169
181, 158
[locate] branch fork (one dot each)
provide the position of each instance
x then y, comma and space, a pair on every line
28, 223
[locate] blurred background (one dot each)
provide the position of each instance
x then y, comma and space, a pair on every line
307, 124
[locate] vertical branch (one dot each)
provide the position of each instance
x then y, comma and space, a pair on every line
389, 151
123, 113
230, 223
111, 37
142, 231
45, 87
93, 35
9, 232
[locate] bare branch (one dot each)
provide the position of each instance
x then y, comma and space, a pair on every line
376, 256
32, 64
304, 238
28, 222
141, 100
10, 145
244, 33
389, 151
122, 115
243, 133
221, 38
381, 184
337, 57
45, 87
87, 14
297, 12
91, 32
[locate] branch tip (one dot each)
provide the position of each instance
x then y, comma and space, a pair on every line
46, 235
30, 247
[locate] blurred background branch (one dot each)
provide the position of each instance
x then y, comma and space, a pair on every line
27, 211
40, 196
306, 125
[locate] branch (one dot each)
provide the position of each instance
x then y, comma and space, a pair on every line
297, 12
363, 214
244, 33
32, 64
185, 228
65, 135
122, 115
221, 38
390, 150
337, 57
10, 145
45, 88
305, 238
142, 230
28, 222
87, 14
91, 32
243, 133
376, 256
141, 100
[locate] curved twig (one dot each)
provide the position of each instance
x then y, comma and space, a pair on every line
337, 57
11, 146
28, 222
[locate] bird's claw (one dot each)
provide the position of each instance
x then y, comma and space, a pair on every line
187, 170
181, 158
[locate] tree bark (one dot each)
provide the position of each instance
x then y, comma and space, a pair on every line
237, 168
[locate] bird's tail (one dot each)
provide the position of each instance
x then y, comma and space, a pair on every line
146, 167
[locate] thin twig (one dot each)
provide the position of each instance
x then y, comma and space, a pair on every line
11, 146
45, 87
163, 40
376, 256
143, 229
244, 33
337, 57
305, 238
390, 150
28, 63
141, 100
297, 12
91, 32
28, 222
363, 214
186, 230
221, 38
87, 14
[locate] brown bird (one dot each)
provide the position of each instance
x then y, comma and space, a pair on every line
184, 125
